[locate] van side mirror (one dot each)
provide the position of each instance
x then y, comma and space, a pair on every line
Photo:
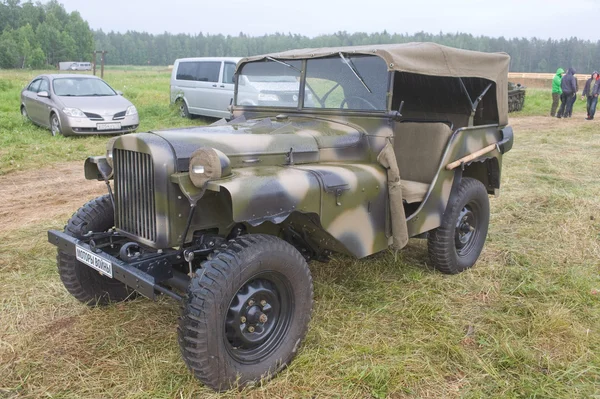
44, 94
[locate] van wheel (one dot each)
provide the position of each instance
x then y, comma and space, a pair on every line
456, 245
183, 109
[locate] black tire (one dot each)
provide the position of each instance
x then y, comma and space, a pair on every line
183, 109
24, 113
83, 282
55, 127
218, 312
456, 245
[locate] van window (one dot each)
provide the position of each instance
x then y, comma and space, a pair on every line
228, 71
202, 71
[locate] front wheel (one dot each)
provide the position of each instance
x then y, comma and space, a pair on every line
246, 313
456, 245
55, 125
83, 282
183, 109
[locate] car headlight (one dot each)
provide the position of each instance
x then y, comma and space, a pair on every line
74, 112
268, 97
208, 164
131, 110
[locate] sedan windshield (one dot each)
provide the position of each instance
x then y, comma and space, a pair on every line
82, 87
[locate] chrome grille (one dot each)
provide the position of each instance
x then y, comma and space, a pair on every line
134, 194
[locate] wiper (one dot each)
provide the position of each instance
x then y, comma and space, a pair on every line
348, 62
284, 63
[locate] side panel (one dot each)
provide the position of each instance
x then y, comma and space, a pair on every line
463, 142
351, 200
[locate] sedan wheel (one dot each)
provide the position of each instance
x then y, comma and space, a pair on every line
55, 125
24, 113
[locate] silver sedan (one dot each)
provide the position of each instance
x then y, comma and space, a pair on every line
76, 105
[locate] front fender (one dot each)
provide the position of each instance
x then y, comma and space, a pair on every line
349, 199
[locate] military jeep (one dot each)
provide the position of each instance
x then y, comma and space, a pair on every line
370, 146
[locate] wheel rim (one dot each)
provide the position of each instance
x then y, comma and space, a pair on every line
258, 317
55, 125
466, 231
182, 110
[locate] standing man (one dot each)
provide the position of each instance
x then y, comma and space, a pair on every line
591, 91
568, 86
556, 91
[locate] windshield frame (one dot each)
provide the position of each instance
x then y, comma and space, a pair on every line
303, 89
83, 78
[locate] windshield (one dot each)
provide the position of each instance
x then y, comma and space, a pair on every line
270, 84
348, 82
81, 87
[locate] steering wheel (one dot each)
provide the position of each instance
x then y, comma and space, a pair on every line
345, 100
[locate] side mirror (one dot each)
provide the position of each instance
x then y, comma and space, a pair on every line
119, 92
44, 94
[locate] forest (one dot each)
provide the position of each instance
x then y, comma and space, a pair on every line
34, 35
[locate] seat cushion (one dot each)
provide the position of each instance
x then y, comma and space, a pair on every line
413, 191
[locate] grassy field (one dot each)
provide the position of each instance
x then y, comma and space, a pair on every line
523, 323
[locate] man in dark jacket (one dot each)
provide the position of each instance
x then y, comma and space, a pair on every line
569, 94
590, 92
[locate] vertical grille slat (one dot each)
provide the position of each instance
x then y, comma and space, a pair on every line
134, 193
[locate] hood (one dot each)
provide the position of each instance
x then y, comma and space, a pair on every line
102, 105
571, 71
266, 137
560, 71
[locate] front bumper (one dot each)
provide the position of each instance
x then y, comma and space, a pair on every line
85, 126
140, 281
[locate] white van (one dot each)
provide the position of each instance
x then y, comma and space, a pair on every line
203, 85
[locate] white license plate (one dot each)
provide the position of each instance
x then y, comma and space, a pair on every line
108, 126
93, 261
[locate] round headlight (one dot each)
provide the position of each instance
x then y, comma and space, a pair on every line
109, 150
208, 164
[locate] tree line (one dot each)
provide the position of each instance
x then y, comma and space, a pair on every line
527, 55
36, 35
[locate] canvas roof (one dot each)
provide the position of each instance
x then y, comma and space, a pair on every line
422, 58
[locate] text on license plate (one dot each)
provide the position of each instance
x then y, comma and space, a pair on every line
108, 126
93, 261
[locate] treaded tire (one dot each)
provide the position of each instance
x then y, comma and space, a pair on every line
184, 112
203, 337
83, 282
443, 242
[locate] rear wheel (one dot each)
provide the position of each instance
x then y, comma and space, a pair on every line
456, 245
83, 282
246, 312
55, 125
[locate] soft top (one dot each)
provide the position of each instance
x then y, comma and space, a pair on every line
422, 58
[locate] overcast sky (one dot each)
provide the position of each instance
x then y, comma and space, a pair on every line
508, 18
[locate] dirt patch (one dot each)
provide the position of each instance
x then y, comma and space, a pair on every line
32, 196
547, 122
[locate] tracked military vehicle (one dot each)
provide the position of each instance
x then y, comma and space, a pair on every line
516, 97
374, 145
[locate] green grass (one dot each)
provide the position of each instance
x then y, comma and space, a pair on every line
23, 145
539, 101
523, 323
